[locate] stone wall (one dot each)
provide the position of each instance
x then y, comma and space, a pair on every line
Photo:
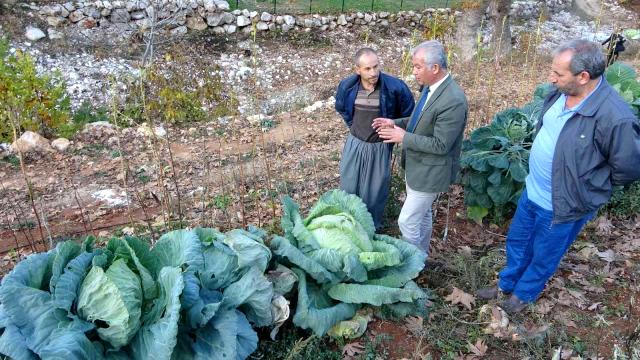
529, 9
178, 17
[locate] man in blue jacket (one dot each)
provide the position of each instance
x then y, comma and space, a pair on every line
365, 163
587, 141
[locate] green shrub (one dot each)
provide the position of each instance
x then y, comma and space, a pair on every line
169, 96
29, 101
495, 160
85, 114
622, 78
624, 202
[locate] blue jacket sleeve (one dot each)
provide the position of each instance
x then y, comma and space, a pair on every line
341, 95
624, 152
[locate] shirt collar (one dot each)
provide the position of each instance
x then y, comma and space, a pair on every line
563, 98
432, 88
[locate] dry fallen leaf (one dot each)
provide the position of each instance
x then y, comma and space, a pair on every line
543, 306
564, 320
479, 348
594, 306
603, 226
499, 322
415, 324
458, 296
566, 354
466, 251
352, 349
608, 256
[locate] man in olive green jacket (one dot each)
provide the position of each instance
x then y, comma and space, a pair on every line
431, 140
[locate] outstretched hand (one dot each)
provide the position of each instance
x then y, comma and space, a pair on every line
379, 123
393, 134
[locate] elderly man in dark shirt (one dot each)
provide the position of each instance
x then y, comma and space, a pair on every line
362, 97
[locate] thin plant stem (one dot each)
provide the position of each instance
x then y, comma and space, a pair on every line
26, 179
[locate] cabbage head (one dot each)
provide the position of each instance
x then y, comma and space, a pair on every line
342, 265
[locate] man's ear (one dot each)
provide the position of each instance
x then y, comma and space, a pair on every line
584, 77
436, 68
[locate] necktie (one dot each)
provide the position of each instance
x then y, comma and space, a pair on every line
418, 110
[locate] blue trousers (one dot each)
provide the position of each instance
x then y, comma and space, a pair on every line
535, 247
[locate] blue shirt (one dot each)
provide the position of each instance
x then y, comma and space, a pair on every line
538, 181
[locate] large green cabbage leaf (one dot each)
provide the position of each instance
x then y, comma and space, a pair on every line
115, 298
157, 339
316, 310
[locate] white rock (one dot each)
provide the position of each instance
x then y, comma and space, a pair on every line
196, 23
55, 21
368, 18
262, 26
230, 29
221, 4
253, 14
289, 20
242, 21
54, 34
266, 17
31, 142
180, 30
214, 19
342, 20
60, 144
34, 34
286, 27
5, 150
120, 16
138, 15
209, 5
76, 16
219, 30
110, 197
228, 18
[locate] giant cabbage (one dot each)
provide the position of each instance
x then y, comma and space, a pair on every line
342, 265
194, 295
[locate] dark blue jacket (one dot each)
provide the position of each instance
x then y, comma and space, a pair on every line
598, 148
396, 100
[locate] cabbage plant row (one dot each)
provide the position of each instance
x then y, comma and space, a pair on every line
194, 295
199, 294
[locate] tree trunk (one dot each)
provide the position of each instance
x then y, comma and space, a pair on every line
469, 27
501, 37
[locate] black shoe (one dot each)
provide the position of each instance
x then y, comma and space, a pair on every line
513, 305
488, 293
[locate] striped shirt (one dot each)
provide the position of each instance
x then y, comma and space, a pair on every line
366, 108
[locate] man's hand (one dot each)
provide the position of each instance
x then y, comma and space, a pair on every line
379, 123
393, 134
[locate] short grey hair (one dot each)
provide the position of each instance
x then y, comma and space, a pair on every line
586, 56
363, 51
433, 53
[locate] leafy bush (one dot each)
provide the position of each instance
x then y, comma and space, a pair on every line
169, 96
29, 101
622, 78
194, 295
495, 160
85, 114
342, 265
624, 202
